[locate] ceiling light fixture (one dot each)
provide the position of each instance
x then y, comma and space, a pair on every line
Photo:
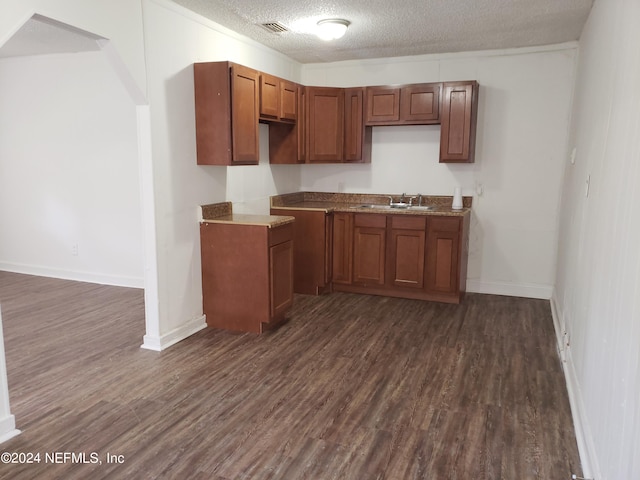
332, 28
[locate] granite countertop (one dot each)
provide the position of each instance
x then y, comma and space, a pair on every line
223, 213
349, 202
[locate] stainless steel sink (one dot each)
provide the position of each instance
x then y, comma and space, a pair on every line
370, 205
395, 206
421, 207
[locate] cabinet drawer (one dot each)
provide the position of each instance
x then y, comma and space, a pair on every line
370, 220
280, 234
406, 222
444, 224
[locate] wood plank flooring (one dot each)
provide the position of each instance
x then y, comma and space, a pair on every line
351, 387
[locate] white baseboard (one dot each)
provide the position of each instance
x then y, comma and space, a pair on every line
584, 438
8, 428
528, 290
163, 342
102, 279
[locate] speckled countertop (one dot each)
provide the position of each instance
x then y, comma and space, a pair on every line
223, 213
353, 202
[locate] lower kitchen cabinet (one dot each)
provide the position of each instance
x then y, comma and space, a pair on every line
369, 246
342, 251
421, 257
443, 255
247, 275
312, 252
407, 251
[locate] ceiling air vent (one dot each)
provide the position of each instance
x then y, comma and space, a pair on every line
275, 27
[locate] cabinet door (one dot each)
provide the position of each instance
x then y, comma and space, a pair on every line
420, 103
383, 105
301, 124
288, 101
459, 116
281, 278
342, 247
354, 134
244, 115
269, 96
369, 244
311, 250
443, 246
326, 124
212, 95
407, 251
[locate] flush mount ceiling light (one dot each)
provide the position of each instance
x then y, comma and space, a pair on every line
332, 28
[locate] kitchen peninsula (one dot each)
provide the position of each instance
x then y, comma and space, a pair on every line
361, 243
247, 268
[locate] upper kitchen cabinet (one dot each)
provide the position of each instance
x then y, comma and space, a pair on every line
383, 105
278, 99
325, 126
226, 104
287, 140
459, 119
416, 104
357, 137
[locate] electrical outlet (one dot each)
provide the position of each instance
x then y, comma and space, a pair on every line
340, 187
74, 249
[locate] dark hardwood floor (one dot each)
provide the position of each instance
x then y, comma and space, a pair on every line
352, 387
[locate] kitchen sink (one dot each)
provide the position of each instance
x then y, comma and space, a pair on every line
404, 206
369, 205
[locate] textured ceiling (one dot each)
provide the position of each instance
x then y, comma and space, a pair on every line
379, 28
386, 28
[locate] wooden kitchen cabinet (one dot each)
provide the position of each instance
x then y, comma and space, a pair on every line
320, 124
278, 99
247, 275
226, 105
369, 249
357, 137
420, 103
409, 256
325, 125
383, 105
407, 251
459, 120
416, 104
312, 250
446, 264
288, 141
342, 248
301, 126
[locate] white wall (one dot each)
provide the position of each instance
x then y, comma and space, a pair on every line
597, 297
118, 20
69, 170
181, 185
524, 105
7, 420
